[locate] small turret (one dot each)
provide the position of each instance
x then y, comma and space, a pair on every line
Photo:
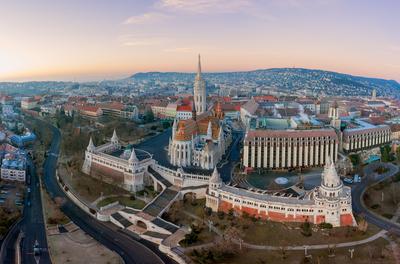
114, 138
91, 146
133, 158
330, 178
215, 180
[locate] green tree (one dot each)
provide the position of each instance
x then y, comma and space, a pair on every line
149, 116
386, 153
398, 153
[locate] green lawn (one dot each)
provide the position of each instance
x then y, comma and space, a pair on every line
126, 201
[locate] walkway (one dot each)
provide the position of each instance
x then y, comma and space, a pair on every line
378, 235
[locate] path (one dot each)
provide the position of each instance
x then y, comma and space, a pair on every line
378, 235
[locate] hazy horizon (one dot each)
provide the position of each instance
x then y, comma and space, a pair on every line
96, 40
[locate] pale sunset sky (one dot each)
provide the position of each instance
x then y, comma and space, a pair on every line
85, 40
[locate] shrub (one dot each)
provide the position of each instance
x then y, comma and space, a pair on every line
221, 215
375, 206
389, 216
306, 229
325, 225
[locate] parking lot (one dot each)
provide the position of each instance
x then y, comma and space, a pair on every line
11, 204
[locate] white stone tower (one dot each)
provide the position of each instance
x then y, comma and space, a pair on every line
199, 91
334, 115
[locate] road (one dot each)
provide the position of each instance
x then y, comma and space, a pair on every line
358, 192
31, 224
131, 250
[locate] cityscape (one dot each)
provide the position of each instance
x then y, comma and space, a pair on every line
174, 131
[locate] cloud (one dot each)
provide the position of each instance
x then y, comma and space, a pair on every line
180, 50
133, 40
203, 6
149, 17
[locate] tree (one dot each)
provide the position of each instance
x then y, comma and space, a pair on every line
385, 153
398, 153
149, 116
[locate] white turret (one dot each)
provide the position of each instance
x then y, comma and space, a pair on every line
133, 158
215, 180
91, 146
114, 138
330, 178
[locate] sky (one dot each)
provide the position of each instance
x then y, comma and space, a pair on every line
85, 40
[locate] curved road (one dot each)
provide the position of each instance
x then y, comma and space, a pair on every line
358, 193
130, 249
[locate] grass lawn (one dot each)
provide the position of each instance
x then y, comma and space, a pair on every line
126, 201
374, 252
391, 197
264, 232
87, 187
52, 212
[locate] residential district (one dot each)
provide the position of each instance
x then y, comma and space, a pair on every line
201, 174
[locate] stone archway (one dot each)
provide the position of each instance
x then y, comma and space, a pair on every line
141, 224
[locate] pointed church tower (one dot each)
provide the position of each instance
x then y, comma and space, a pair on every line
174, 126
209, 130
199, 96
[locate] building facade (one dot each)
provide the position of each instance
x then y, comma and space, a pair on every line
115, 164
365, 136
13, 163
201, 140
286, 149
328, 203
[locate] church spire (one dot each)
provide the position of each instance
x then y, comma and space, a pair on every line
199, 68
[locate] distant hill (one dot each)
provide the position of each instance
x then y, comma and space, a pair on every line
289, 79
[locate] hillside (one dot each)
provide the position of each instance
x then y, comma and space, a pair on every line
289, 79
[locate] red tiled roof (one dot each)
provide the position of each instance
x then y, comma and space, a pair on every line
88, 108
186, 108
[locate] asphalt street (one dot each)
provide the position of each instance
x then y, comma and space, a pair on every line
359, 189
32, 226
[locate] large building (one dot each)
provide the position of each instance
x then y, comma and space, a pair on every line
361, 135
201, 140
328, 203
117, 164
13, 163
289, 148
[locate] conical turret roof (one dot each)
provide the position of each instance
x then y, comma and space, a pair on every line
215, 177
114, 137
133, 157
330, 178
91, 146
